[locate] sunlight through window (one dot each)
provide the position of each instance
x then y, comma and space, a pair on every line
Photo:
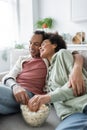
7, 26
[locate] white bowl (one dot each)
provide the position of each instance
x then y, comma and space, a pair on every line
35, 118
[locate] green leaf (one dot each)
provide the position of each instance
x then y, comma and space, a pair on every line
48, 21
19, 46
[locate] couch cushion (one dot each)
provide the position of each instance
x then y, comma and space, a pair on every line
16, 122
15, 53
84, 54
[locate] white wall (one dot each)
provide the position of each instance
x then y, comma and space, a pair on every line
35, 5
25, 20
60, 10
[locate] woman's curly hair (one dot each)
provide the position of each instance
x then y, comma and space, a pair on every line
57, 39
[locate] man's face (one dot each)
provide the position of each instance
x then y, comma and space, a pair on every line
35, 43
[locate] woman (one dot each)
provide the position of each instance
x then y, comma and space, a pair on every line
71, 110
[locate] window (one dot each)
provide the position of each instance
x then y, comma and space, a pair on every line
8, 23
16, 26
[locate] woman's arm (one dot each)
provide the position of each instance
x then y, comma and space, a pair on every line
63, 66
59, 94
75, 78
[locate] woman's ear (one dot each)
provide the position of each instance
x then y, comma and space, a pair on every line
54, 45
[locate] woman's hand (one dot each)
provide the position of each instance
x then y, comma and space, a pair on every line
36, 101
76, 81
20, 95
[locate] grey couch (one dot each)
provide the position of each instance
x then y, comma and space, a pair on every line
16, 121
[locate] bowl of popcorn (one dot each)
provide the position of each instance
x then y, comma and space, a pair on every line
35, 118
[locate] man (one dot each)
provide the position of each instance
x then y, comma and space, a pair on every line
27, 78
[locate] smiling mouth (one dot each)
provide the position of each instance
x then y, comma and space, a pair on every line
32, 51
41, 52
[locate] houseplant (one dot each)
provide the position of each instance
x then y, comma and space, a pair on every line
19, 46
45, 23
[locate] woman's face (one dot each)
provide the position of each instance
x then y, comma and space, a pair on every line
47, 49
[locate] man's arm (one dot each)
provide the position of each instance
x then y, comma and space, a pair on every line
9, 79
75, 78
19, 93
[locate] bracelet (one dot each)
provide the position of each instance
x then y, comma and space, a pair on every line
7, 79
13, 86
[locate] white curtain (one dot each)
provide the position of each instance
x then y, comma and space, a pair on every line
8, 23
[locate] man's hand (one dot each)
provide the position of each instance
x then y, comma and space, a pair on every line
36, 101
20, 95
76, 81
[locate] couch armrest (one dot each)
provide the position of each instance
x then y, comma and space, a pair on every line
2, 74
